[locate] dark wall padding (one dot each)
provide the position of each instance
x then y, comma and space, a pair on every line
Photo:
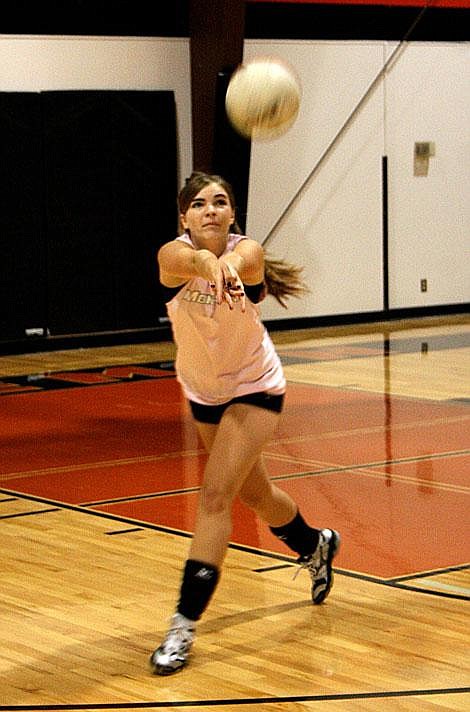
22, 246
105, 197
95, 17
111, 185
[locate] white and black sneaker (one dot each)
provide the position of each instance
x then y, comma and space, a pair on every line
319, 564
172, 655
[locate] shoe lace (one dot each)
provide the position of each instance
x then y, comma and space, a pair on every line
311, 562
177, 638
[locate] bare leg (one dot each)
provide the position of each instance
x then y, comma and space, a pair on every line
235, 467
271, 504
234, 446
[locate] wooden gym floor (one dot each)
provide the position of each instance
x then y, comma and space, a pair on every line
99, 472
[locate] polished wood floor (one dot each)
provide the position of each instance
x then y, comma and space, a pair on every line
99, 473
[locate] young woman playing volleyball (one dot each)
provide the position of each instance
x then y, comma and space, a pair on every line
232, 376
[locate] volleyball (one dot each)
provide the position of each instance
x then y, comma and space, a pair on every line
263, 98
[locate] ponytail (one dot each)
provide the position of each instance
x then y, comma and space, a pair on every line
283, 280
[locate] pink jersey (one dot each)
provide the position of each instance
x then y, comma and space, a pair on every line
221, 353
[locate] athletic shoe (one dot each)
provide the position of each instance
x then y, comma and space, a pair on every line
172, 655
319, 564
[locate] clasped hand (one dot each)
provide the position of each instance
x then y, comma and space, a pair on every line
228, 286
224, 281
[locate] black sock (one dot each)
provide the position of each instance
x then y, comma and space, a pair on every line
298, 535
198, 585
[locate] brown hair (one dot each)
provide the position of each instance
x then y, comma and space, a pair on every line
195, 183
282, 279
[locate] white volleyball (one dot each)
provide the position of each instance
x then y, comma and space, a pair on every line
263, 98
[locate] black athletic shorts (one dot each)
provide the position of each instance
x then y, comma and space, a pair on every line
213, 413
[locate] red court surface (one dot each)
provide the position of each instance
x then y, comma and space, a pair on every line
390, 473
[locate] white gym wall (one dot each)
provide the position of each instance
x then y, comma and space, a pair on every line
334, 227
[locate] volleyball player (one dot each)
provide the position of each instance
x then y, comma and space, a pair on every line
232, 377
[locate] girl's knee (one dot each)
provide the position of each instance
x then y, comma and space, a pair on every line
215, 500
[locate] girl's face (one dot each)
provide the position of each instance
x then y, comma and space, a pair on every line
209, 217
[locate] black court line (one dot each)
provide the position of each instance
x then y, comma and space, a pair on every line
28, 514
243, 701
239, 547
365, 577
96, 513
427, 592
391, 583
124, 531
434, 572
140, 497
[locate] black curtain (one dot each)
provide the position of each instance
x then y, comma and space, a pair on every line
22, 245
102, 197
